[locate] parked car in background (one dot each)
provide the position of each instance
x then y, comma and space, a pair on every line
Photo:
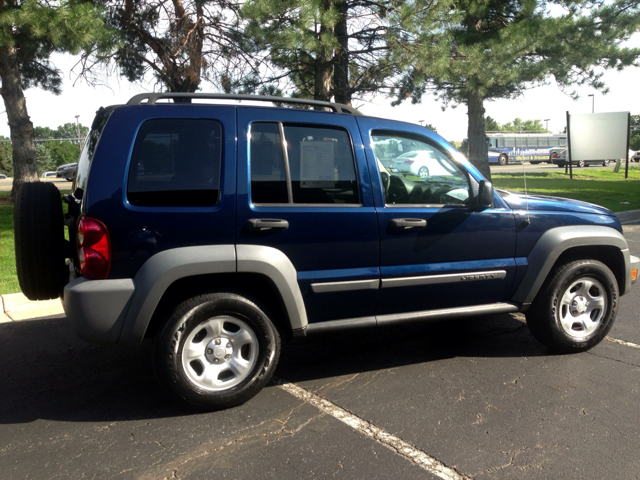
48, 174
634, 156
67, 171
3, 176
559, 158
422, 164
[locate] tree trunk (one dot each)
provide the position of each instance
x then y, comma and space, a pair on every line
324, 62
342, 92
22, 138
476, 134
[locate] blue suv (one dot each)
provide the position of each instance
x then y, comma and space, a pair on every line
218, 229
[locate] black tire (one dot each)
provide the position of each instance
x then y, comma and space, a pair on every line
39, 240
580, 163
503, 159
200, 322
551, 306
423, 172
605, 163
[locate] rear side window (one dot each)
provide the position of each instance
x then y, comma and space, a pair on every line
299, 164
176, 162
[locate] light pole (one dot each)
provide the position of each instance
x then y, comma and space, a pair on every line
546, 123
78, 131
593, 102
420, 122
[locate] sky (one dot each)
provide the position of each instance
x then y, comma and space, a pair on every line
548, 102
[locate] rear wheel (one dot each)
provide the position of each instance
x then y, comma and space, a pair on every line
581, 163
605, 163
39, 240
575, 308
216, 351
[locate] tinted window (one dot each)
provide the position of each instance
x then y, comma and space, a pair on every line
562, 142
321, 164
268, 176
176, 163
543, 142
521, 142
509, 142
88, 150
321, 168
532, 142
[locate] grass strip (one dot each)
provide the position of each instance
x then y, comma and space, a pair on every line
599, 186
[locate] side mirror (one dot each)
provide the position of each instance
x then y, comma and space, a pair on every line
485, 194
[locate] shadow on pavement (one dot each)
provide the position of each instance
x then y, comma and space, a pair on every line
47, 372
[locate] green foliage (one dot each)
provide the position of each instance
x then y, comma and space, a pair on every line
44, 161
62, 152
468, 51
38, 29
499, 48
6, 159
323, 48
517, 125
66, 131
634, 134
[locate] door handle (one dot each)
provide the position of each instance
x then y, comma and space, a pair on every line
263, 224
408, 223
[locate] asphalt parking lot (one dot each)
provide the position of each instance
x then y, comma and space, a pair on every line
476, 398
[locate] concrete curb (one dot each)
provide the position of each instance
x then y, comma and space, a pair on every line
630, 217
15, 306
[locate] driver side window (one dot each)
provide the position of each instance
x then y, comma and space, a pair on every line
414, 171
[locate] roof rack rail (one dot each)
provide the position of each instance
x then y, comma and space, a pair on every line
152, 98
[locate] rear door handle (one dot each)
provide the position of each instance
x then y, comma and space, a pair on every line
408, 223
263, 224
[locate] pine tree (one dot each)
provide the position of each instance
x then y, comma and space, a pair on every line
323, 48
29, 33
471, 51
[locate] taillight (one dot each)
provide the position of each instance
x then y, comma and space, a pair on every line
555, 155
94, 248
408, 162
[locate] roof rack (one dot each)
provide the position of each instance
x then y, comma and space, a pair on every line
152, 98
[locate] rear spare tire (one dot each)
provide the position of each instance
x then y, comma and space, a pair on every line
39, 239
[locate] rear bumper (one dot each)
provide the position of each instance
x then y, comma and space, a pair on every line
97, 308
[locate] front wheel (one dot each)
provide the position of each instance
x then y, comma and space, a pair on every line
216, 351
581, 163
503, 159
423, 173
575, 308
605, 163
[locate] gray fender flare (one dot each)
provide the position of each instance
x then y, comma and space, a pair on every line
276, 265
160, 271
553, 243
164, 268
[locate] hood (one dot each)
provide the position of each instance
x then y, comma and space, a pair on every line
519, 201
